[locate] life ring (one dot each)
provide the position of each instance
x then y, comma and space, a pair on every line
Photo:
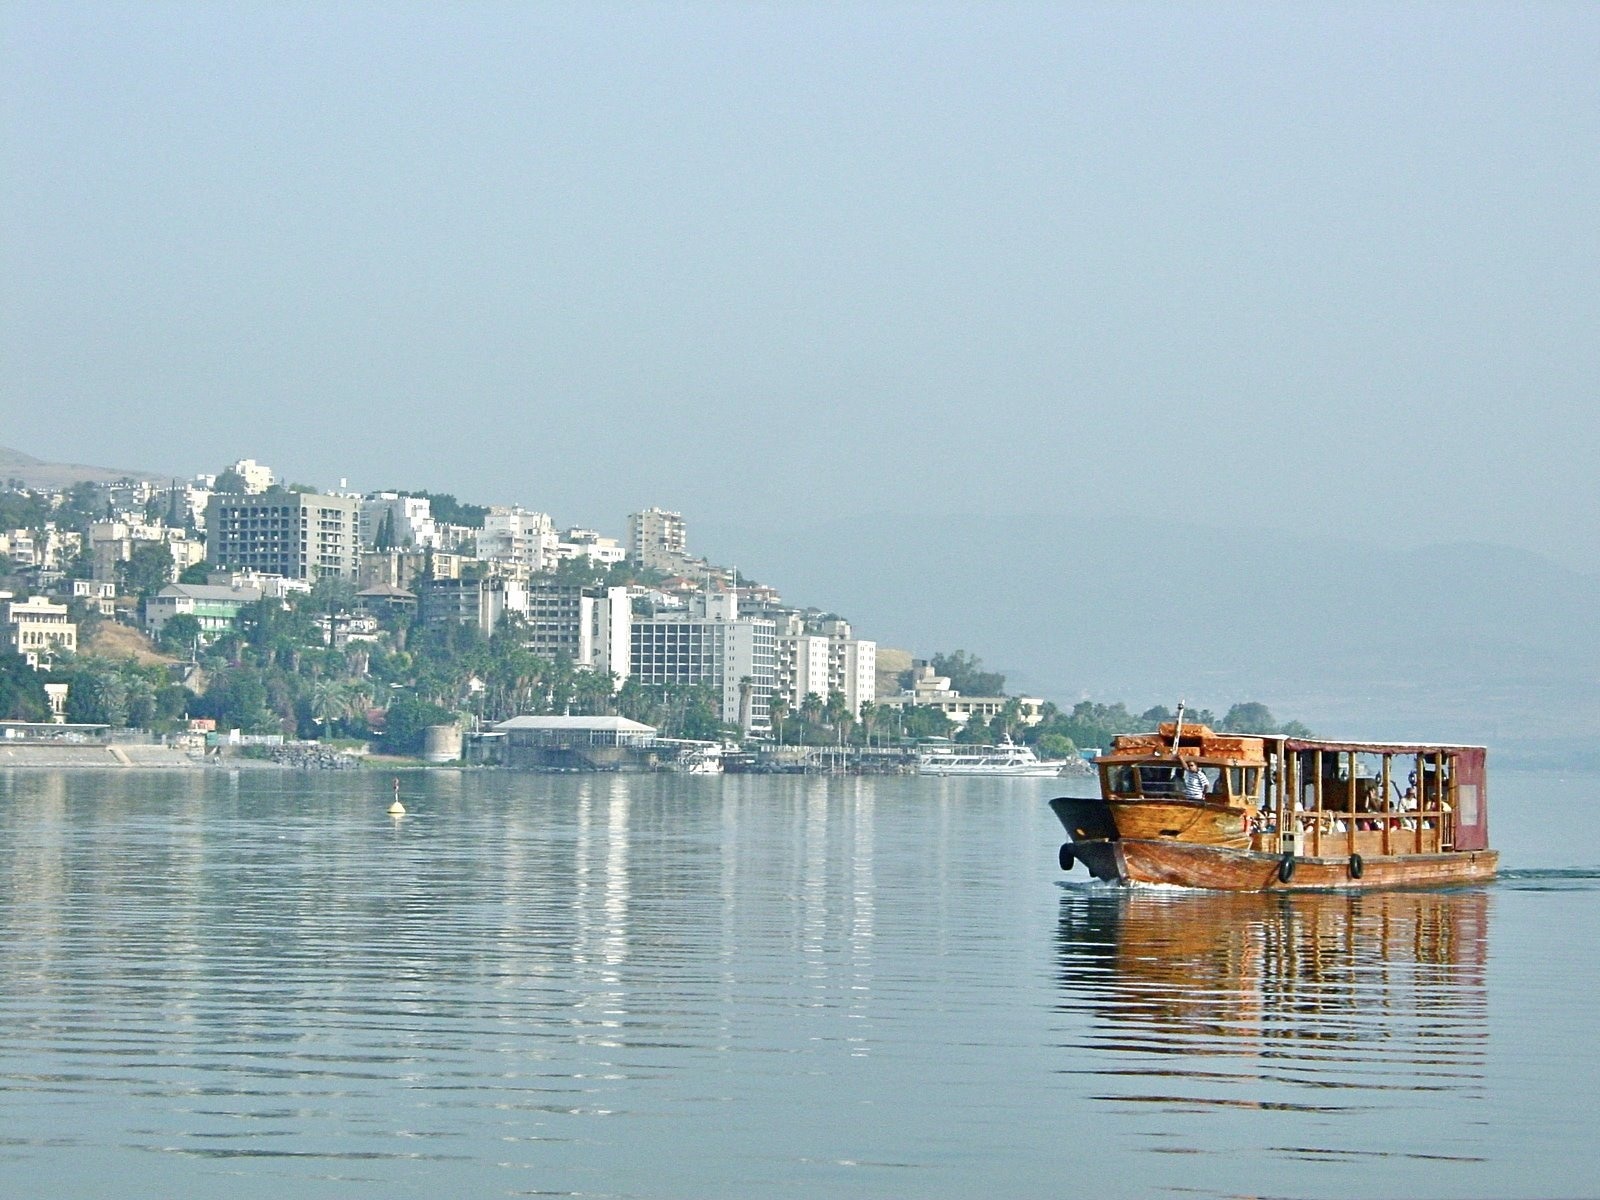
1286, 868
1356, 866
1066, 857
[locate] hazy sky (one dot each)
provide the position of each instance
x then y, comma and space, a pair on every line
1334, 269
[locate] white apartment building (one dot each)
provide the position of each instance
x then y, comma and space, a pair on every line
101, 595
822, 657
712, 644
39, 630
257, 477
515, 535
409, 520
586, 543
46, 550
933, 691
657, 539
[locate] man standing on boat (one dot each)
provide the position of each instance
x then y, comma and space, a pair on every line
1194, 781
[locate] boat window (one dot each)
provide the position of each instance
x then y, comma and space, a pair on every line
1156, 781
1252, 781
1119, 779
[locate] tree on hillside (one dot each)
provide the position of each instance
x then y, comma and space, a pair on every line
444, 507
181, 634
230, 482
148, 569
967, 675
22, 696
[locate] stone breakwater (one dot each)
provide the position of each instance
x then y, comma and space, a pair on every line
313, 758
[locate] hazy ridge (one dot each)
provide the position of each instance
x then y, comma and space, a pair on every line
1451, 642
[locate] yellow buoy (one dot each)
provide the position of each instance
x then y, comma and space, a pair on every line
397, 809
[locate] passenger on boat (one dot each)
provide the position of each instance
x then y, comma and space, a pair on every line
1194, 781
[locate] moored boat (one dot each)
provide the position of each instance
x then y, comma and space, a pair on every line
1194, 808
1004, 759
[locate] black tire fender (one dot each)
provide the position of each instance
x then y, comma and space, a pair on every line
1286, 868
1357, 867
1066, 857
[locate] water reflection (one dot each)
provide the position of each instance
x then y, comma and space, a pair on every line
1318, 1004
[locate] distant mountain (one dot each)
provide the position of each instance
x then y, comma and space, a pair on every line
36, 473
1449, 642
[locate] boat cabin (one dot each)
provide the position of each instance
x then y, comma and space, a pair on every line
1297, 796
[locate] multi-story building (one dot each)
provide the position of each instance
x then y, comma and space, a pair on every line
406, 568
589, 627
657, 539
586, 543
517, 536
712, 644
477, 601
47, 550
39, 630
301, 535
405, 522
257, 478
934, 691
113, 542
216, 607
818, 654
99, 595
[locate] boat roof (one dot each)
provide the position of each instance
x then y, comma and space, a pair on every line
1361, 747
1201, 742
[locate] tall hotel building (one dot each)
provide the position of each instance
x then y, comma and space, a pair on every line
657, 539
299, 535
736, 656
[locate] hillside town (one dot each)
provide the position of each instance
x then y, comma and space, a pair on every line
386, 586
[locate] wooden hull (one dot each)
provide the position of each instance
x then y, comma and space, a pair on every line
1219, 868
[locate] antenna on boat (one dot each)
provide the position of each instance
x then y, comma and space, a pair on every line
1177, 729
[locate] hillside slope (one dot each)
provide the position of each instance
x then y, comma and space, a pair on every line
36, 473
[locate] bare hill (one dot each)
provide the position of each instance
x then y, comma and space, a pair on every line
36, 473
122, 641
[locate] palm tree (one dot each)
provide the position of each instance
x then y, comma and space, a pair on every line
1009, 717
777, 709
837, 711
811, 709
869, 715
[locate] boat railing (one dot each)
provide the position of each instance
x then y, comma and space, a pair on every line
1333, 803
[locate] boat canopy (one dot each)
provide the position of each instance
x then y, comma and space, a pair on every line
1378, 747
1197, 741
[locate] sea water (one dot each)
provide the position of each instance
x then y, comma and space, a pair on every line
258, 984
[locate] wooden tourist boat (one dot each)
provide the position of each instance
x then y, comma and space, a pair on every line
1260, 814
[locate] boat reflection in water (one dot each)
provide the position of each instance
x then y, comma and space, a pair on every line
1305, 1008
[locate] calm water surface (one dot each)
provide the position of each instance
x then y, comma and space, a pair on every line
259, 984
